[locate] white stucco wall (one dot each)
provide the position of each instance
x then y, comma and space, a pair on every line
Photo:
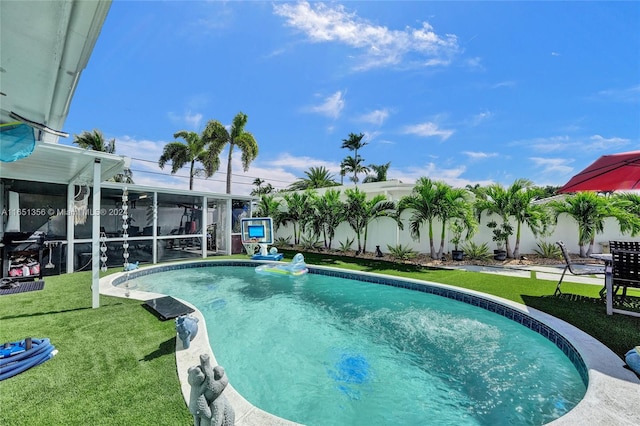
384, 231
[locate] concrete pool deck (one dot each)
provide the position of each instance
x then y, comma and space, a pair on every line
613, 392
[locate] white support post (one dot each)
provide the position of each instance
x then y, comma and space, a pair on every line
95, 235
228, 225
204, 245
154, 250
71, 244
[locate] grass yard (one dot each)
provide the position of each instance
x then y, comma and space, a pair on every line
116, 364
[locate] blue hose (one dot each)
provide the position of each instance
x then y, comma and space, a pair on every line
41, 351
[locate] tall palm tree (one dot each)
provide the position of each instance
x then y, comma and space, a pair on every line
380, 173
196, 149
354, 165
317, 177
95, 141
426, 200
354, 143
260, 189
218, 136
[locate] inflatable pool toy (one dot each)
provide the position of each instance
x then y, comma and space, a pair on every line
633, 359
295, 268
16, 357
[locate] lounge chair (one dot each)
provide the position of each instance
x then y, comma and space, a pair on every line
590, 270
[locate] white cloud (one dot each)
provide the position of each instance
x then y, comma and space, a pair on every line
566, 143
428, 129
192, 120
609, 144
451, 176
557, 166
479, 155
479, 118
302, 163
331, 107
379, 45
377, 117
507, 83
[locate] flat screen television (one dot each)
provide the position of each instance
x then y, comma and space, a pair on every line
255, 231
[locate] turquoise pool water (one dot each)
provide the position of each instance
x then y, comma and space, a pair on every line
323, 350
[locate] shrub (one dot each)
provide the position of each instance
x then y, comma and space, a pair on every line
401, 252
282, 242
548, 250
475, 251
346, 245
310, 243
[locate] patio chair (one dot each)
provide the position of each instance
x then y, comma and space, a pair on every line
590, 270
624, 245
626, 270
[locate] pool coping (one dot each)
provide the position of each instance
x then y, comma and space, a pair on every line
612, 392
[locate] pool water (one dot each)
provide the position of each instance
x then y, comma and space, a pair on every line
322, 350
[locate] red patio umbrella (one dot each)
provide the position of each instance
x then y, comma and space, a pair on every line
615, 172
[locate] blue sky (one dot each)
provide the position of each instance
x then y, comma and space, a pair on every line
464, 92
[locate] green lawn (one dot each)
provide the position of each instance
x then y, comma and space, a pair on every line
116, 364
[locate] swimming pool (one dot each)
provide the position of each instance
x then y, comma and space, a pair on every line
320, 350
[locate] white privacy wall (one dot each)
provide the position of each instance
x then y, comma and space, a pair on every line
384, 231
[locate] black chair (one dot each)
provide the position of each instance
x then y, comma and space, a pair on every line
570, 266
624, 245
626, 270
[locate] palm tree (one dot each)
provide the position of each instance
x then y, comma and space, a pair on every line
94, 140
299, 209
354, 212
259, 189
495, 199
317, 177
354, 142
630, 203
426, 201
216, 134
455, 205
353, 165
328, 214
381, 173
534, 215
268, 206
196, 149
375, 208
589, 210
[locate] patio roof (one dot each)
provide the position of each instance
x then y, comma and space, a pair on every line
55, 163
45, 45
44, 48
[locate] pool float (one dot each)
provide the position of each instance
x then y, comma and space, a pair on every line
16, 357
633, 359
295, 268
